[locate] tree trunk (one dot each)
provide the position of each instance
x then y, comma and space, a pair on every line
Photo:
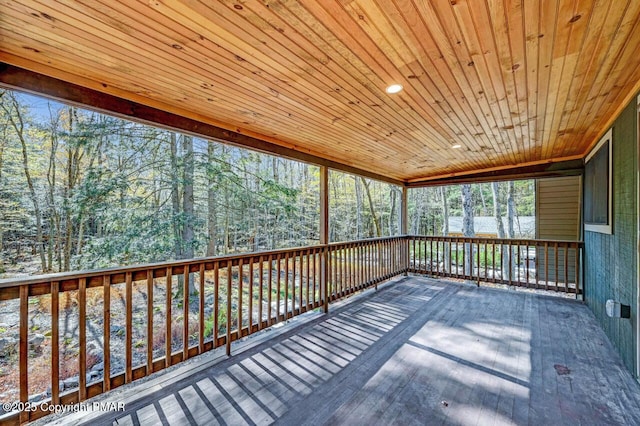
497, 214
392, 214
17, 123
484, 203
445, 225
175, 197
511, 210
211, 201
376, 222
187, 204
467, 227
497, 209
54, 220
358, 208
67, 196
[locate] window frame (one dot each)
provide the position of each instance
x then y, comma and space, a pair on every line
608, 227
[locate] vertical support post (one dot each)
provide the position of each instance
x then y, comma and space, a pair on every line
404, 226
324, 233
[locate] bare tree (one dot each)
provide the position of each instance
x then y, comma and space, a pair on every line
467, 226
212, 218
374, 216
14, 114
445, 224
175, 196
497, 209
358, 207
188, 204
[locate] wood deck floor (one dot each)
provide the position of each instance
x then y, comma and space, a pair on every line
418, 351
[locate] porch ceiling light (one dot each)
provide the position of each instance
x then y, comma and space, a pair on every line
394, 88
456, 146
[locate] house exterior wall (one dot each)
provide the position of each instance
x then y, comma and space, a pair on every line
557, 218
610, 261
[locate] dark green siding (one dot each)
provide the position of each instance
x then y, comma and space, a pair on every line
610, 260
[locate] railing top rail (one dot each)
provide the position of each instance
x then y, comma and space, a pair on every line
533, 241
65, 276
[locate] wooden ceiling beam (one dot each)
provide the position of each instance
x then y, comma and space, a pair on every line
16, 78
574, 167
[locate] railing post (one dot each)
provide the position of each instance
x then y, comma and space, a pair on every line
324, 234
404, 218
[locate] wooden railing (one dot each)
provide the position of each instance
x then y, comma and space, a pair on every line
356, 265
113, 326
133, 321
539, 264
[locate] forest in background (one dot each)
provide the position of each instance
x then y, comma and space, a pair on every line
83, 190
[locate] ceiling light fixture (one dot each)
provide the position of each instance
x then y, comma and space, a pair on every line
456, 146
394, 88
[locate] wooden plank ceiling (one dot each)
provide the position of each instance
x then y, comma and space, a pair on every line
512, 82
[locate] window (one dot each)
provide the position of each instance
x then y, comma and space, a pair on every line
598, 187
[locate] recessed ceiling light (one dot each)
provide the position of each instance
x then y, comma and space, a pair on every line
456, 146
394, 88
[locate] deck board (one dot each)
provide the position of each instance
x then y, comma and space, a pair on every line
418, 351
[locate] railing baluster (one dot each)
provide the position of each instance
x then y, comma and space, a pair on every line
309, 302
518, 263
24, 350
216, 303
437, 257
556, 274
566, 267
55, 343
167, 331
201, 318
353, 274
493, 261
359, 266
314, 277
82, 339
149, 321
546, 265
478, 260
261, 291
486, 253
251, 260
229, 277
269, 289
240, 296
106, 321
527, 265
286, 286
292, 260
128, 351
185, 312
278, 287
343, 267
326, 265
450, 266
577, 266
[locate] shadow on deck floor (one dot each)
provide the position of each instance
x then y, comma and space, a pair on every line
419, 351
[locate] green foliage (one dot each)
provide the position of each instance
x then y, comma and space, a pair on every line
112, 192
